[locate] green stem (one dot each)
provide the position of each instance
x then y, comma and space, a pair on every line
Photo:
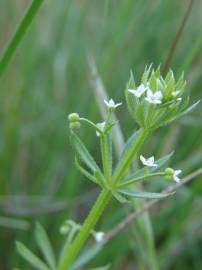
89, 223
105, 161
134, 180
18, 34
98, 208
123, 167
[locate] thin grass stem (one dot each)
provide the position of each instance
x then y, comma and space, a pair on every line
19, 33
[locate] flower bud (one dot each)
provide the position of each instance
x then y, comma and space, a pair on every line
74, 125
156, 101
99, 236
64, 229
169, 173
73, 117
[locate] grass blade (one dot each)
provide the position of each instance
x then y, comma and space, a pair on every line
19, 34
83, 153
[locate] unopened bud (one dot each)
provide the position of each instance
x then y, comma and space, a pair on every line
73, 117
74, 125
99, 236
169, 173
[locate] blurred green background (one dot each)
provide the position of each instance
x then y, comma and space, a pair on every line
49, 77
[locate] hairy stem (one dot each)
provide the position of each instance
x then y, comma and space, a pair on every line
98, 208
105, 159
19, 34
140, 178
89, 223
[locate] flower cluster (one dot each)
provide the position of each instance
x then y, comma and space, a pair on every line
169, 172
148, 162
157, 100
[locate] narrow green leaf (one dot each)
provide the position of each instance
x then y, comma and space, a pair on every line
170, 87
83, 153
120, 197
31, 257
131, 103
100, 178
188, 110
153, 82
158, 71
144, 195
141, 113
131, 82
181, 83
130, 99
160, 162
169, 76
165, 116
146, 74
45, 246
174, 113
85, 172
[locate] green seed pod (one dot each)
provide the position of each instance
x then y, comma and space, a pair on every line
73, 117
169, 173
64, 229
74, 125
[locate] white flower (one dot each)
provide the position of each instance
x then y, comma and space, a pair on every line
139, 91
154, 98
148, 162
99, 236
175, 175
101, 126
111, 104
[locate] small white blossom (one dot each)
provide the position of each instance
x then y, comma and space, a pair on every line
111, 104
154, 98
101, 126
139, 91
175, 175
99, 236
148, 162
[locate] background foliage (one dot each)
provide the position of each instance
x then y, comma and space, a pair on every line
49, 77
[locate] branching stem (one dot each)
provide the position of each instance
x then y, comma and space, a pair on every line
99, 206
